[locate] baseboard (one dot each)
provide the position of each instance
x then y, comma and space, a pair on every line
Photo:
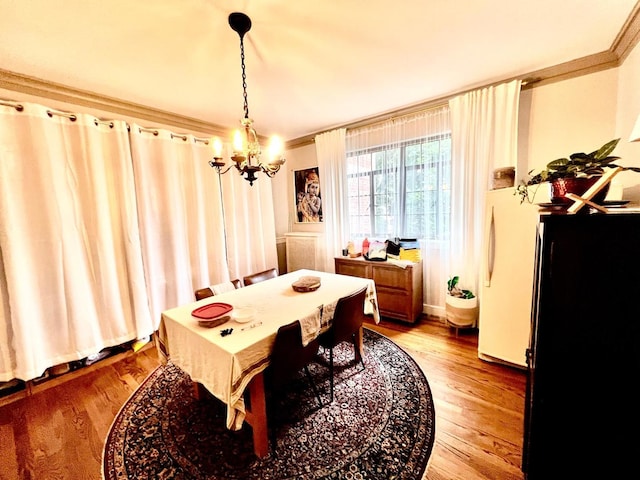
31, 387
434, 310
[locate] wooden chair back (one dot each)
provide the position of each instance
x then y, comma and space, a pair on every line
208, 292
260, 276
203, 293
288, 355
347, 320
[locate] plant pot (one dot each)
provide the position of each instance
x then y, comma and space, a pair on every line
462, 312
578, 186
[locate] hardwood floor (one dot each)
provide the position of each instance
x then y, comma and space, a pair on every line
58, 431
479, 405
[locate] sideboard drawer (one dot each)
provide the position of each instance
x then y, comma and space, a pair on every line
355, 269
394, 277
394, 304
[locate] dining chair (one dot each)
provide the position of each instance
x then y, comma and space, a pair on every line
288, 357
209, 291
347, 321
260, 276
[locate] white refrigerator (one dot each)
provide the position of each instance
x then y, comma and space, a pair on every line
507, 276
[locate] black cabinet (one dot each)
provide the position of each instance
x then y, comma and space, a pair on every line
582, 415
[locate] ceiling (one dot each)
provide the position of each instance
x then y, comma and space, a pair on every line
311, 65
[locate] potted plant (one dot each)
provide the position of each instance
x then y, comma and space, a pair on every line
461, 305
575, 174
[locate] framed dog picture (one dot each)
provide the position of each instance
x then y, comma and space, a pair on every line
308, 197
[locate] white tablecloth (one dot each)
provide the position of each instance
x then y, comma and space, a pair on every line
226, 365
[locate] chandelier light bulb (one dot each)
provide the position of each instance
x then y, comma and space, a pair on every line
276, 149
238, 144
216, 144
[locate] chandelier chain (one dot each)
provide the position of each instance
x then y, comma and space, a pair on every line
244, 80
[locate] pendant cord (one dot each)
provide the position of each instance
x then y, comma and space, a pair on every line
244, 79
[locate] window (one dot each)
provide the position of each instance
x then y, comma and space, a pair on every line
401, 189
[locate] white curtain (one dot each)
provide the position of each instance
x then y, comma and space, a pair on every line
484, 128
102, 229
393, 135
331, 154
72, 279
249, 222
181, 219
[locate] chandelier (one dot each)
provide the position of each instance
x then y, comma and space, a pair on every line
246, 146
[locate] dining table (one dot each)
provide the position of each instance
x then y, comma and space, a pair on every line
229, 360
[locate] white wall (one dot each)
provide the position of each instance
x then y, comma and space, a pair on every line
581, 114
628, 110
565, 117
556, 120
279, 187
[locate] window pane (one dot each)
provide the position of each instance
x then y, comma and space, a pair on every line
401, 190
414, 154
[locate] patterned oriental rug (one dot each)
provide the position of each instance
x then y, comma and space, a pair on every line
381, 425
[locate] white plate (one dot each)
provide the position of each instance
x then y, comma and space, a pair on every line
244, 315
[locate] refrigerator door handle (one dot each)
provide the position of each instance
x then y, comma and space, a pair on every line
489, 254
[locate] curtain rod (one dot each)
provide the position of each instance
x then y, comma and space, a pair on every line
70, 116
109, 123
8, 103
175, 135
102, 121
396, 116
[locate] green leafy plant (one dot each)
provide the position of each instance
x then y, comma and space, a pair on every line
578, 164
455, 291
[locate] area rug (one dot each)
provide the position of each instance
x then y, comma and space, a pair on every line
381, 425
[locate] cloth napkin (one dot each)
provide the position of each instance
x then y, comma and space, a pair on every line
310, 326
222, 288
371, 304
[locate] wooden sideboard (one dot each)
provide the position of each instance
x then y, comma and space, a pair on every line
399, 289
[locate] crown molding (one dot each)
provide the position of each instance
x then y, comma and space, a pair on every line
629, 35
42, 88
